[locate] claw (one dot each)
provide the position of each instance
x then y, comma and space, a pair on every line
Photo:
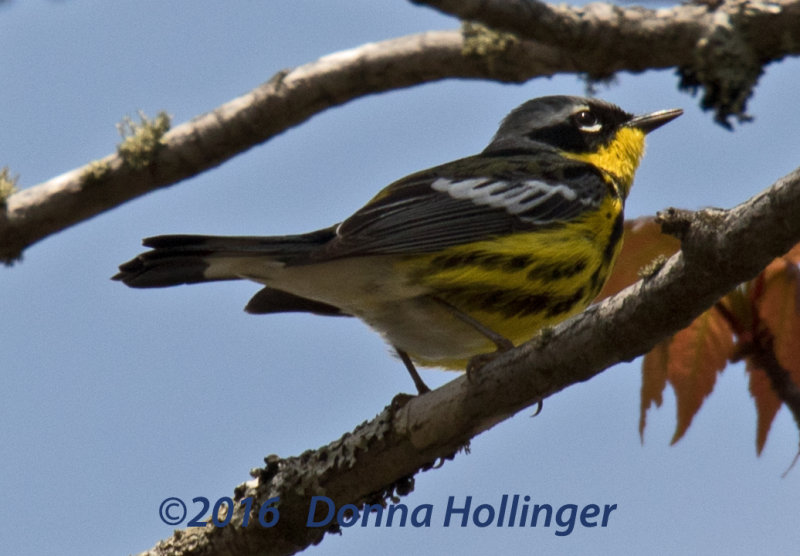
477, 362
401, 400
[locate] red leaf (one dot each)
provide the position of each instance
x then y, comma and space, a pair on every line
779, 309
767, 403
654, 380
642, 243
696, 354
792, 256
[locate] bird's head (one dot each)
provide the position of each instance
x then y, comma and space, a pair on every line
587, 129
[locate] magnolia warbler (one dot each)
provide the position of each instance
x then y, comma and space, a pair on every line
458, 260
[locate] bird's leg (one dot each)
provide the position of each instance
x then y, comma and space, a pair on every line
478, 361
422, 388
502, 343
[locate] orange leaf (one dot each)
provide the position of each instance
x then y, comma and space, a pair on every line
642, 243
654, 380
792, 256
767, 403
696, 354
779, 309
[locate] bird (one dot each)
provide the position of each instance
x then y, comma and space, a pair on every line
465, 259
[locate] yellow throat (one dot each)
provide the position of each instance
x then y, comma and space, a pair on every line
620, 157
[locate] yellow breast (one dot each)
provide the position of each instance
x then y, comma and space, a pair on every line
519, 283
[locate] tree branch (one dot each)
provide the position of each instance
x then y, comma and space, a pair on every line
286, 100
784, 387
759, 348
720, 250
598, 40
720, 47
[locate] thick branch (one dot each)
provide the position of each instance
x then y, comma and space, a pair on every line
614, 37
720, 250
719, 47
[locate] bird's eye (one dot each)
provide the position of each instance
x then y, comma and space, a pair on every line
587, 121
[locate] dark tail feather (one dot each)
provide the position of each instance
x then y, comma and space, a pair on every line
269, 300
188, 259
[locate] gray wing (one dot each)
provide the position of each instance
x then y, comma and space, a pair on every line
469, 200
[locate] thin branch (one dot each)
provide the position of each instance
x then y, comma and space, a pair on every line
286, 100
763, 354
758, 345
720, 250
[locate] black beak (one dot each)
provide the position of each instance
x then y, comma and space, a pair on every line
654, 120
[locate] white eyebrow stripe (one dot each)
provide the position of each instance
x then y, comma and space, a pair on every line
503, 194
592, 128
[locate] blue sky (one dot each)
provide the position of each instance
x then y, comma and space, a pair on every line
113, 399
